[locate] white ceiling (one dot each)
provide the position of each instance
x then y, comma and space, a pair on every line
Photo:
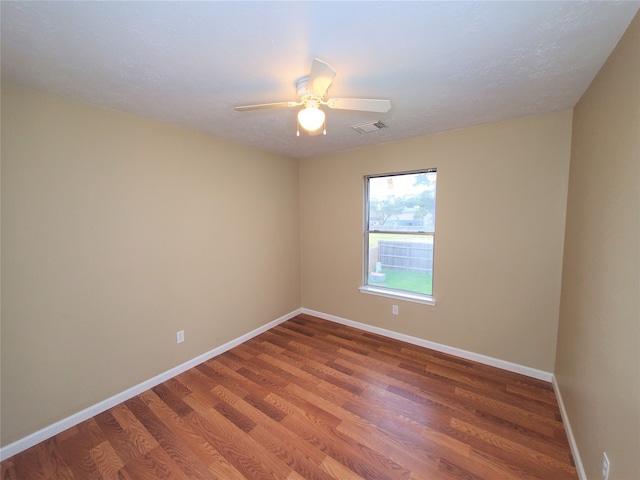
443, 65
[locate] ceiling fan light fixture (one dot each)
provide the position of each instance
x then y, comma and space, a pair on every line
311, 90
311, 118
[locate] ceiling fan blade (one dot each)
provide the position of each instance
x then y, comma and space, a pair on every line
320, 77
362, 104
260, 106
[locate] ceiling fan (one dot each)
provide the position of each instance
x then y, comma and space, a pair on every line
311, 90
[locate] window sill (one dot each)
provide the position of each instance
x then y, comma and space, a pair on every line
386, 292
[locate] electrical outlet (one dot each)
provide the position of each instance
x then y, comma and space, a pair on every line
180, 336
605, 466
394, 309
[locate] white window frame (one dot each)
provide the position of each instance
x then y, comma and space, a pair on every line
386, 291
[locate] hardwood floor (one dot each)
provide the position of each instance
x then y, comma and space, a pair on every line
311, 399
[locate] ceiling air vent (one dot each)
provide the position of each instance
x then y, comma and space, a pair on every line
369, 127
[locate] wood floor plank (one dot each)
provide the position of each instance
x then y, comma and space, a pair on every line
170, 443
241, 450
546, 466
76, 449
8, 470
127, 446
348, 454
314, 400
338, 471
52, 457
107, 460
281, 441
289, 451
512, 412
154, 465
182, 428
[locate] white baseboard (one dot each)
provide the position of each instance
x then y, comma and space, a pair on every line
62, 425
567, 427
476, 357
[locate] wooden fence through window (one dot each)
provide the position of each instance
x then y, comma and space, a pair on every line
406, 256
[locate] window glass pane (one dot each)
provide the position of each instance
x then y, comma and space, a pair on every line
400, 231
401, 262
403, 203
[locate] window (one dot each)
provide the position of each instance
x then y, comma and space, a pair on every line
399, 235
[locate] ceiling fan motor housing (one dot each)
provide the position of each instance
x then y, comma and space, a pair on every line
301, 86
308, 98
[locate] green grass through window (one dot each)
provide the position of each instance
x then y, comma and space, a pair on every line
410, 281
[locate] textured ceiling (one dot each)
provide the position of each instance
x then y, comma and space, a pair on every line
443, 65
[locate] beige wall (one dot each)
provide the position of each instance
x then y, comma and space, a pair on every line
501, 200
117, 232
598, 360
